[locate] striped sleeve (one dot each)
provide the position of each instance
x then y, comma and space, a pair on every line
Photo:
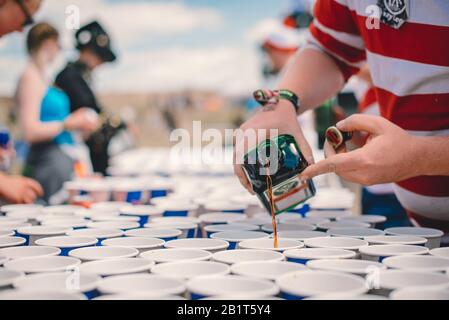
335, 31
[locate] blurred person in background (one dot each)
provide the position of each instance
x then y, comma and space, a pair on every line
45, 119
15, 16
94, 46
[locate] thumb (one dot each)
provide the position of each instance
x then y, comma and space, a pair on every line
362, 122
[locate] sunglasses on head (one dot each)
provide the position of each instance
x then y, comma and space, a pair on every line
28, 17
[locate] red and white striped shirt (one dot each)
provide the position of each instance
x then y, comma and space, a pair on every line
410, 71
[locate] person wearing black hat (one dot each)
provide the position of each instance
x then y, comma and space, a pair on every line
94, 46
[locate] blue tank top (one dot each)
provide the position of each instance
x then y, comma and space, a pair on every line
56, 107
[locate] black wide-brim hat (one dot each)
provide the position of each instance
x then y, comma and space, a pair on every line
93, 36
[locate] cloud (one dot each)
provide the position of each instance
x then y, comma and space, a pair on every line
135, 22
224, 69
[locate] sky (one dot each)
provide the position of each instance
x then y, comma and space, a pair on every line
163, 45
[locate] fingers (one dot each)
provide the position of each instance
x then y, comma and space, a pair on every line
35, 187
361, 122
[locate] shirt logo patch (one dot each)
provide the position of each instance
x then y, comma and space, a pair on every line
394, 12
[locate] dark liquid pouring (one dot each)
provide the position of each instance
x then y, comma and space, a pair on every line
273, 210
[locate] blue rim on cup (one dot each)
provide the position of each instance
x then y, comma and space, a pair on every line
67, 243
164, 234
236, 237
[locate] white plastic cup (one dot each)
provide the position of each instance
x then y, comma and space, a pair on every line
288, 227
7, 278
420, 294
342, 224
440, 252
103, 253
40, 295
382, 251
236, 237
236, 286
141, 283
376, 221
29, 251
140, 243
100, 234
417, 263
211, 245
336, 243
113, 267
332, 215
410, 240
176, 255
359, 233
43, 264
67, 243
137, 297
6, 233
389, 280
144, 213
29, 215
59, 281
214, 228
164, 234
306, 254
34, 233
189, 229
122, 225
269, 270
358, 267
6, 242
247, 255
225, 206
20, 207
268, 244
187, 270
300, 235
302, 284
433, 236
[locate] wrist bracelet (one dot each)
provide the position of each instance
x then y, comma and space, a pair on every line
266, 97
